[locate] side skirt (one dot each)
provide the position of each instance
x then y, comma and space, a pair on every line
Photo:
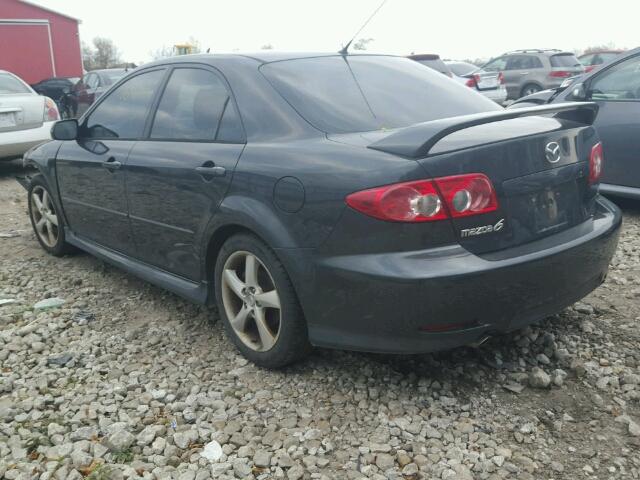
195, 292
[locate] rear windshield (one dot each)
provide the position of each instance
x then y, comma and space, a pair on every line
363, 93
437, 65
10, 84
112, 77
461, 69
565, 60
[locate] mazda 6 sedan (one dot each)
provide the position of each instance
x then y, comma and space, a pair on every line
359, 202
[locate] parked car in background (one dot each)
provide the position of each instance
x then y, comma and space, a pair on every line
432, 61
615, 87
592, 59
489, 84
90, 87
529, 71
316, 205
26, 118
57, 88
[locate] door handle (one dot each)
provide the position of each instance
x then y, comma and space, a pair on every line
111, 164
212, 171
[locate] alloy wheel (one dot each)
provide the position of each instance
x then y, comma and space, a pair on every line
251, 301
45, 218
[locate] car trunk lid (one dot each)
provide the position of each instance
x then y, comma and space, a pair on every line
21, 111
539, 168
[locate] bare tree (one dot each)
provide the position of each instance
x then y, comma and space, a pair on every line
162, 52
362, 43
266, 46
103, 54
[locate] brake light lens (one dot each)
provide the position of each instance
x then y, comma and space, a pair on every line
50, 110
595, 163
560, 74
471, 82
427, 200
466, 195
501, 78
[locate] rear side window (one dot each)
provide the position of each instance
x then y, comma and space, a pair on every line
196, 105
341, 94
523, 62
9, 84
564, 60
123, 112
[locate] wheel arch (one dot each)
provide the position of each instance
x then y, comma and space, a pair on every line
529, 83
236, 215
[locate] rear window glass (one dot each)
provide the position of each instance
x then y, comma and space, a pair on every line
112, 77
362, 93
9, 84
437, 65
462, 69
564, 60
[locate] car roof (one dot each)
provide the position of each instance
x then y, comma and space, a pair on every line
540, 51
261, 57
595, 52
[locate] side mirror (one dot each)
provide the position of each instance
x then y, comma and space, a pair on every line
578, 92
65, 130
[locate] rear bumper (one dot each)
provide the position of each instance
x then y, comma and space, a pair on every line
498, 95
15, 144
394, 302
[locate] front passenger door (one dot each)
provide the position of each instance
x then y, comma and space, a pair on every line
179, 175
90, 169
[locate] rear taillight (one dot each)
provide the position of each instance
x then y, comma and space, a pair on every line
473, 81
501, 78
595, 163
466, 195
427, 200
50, 110
560, 74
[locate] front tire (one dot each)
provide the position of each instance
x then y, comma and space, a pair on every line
46, 220
258, 305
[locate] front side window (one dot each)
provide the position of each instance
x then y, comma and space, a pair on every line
123, 112
620, 82
196, 105
10, 84
343, 94
92, 81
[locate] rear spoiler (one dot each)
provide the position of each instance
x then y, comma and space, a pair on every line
416, 141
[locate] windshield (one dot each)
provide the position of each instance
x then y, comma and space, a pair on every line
362, 93
112, 77
10, 84
461, 68
565, 60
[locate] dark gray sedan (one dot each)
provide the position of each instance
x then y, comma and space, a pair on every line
347, 201
615, 88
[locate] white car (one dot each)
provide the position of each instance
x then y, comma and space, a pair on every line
489, 84
26, 118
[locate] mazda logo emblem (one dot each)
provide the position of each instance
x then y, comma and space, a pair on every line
552, 152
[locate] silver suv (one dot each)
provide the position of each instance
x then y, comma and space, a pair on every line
529, 71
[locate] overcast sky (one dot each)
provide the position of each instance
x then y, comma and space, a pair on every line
454, 29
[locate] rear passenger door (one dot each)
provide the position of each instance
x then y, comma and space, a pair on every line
179, 174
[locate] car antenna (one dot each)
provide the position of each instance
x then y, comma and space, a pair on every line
345, 49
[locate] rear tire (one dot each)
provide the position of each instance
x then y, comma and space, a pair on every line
258, 305
530, 89
46, 219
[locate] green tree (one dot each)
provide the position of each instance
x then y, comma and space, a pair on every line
362, 43
102, 54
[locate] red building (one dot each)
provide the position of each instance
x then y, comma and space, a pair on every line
38, 43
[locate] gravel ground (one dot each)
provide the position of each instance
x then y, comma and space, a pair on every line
126, 380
